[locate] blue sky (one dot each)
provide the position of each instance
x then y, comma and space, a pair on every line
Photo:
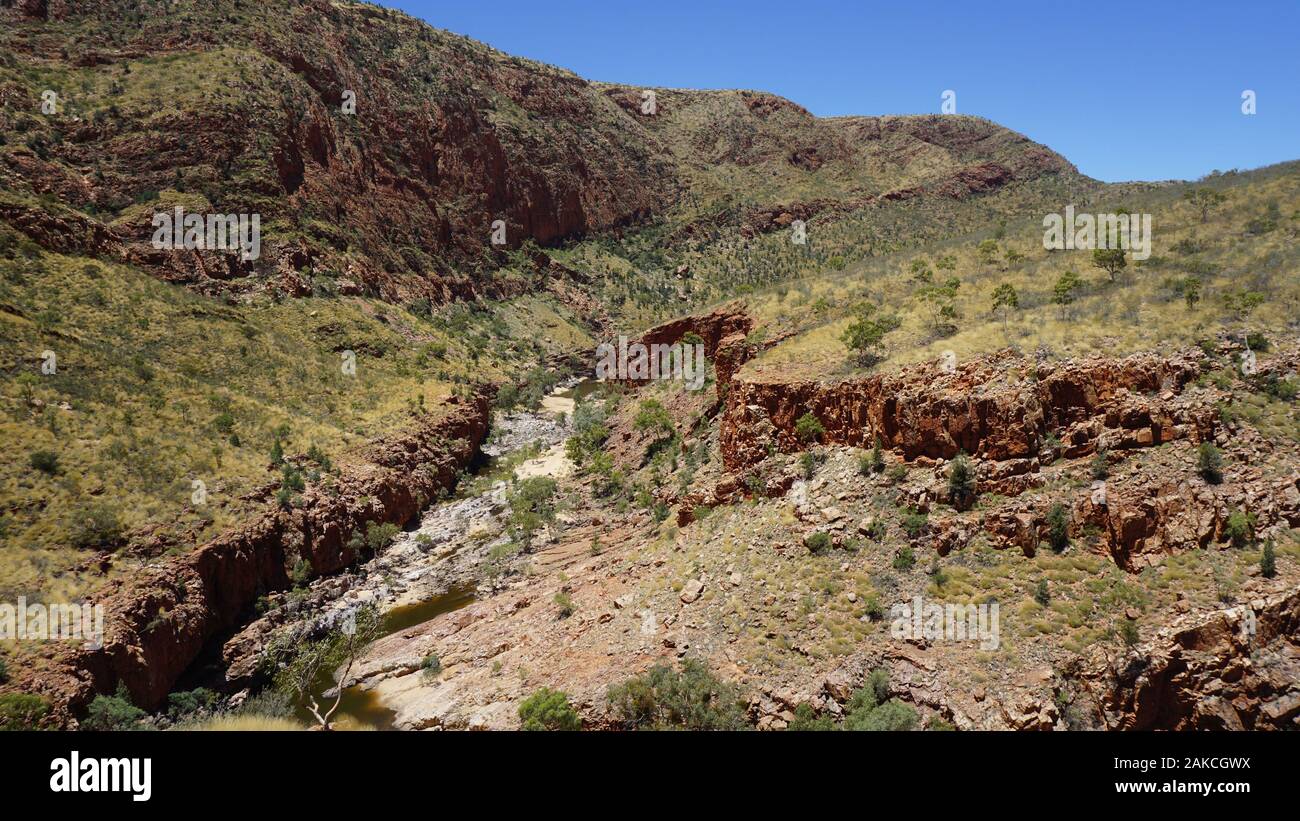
1147, 89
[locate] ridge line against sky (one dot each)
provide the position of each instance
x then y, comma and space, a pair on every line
1126, 91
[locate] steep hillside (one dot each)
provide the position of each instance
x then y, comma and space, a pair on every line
247, 107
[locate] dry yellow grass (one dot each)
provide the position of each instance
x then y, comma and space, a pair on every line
1141, 311
245, 724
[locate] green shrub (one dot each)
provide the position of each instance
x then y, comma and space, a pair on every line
184, 704
874, 609
654, 418
95, 525
808, 428
589, 432
548, 709
301, 575
291, 479
431, 665
937, 724
46, 462
565, 602
284, 497
379, 535
22, 711
961, 483
1058, 527
692, 699
224, 423
1284, 390
869, 696
905, 558
870, 708
317, 455
1267, 562
1100, 465
531, 505
807, 464
4, 671
1209, 463
914, 522
936, 573
897, 473
115, 712
818, 542
873, 462
1240, 528
1041, 593
878, 683
1128, 632
805, 720
892, 716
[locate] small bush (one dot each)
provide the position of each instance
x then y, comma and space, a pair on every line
961, 483
1240, 528
805, 720
892, 716
1267, 562
431, 665
46, 462
914, 523
1284, 390
115, 712
1128, 632
1041, 593
692, 699
1257, 341
860, 712
1058, 527
379, 535
808, 428
565, 602
268, 704
807, 464
21, 711
548, 709
1209, 463
873, 462
531, 506
1100, 465
301, 574
291, 479
185, 704
95, 525
819, 542
937, 575
905, 558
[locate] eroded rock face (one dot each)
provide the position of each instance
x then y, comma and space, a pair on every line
405, 157
998, 407
722, 331
158, 621
1238, 669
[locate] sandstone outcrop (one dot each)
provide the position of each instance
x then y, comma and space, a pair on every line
1237, 669
999, 407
